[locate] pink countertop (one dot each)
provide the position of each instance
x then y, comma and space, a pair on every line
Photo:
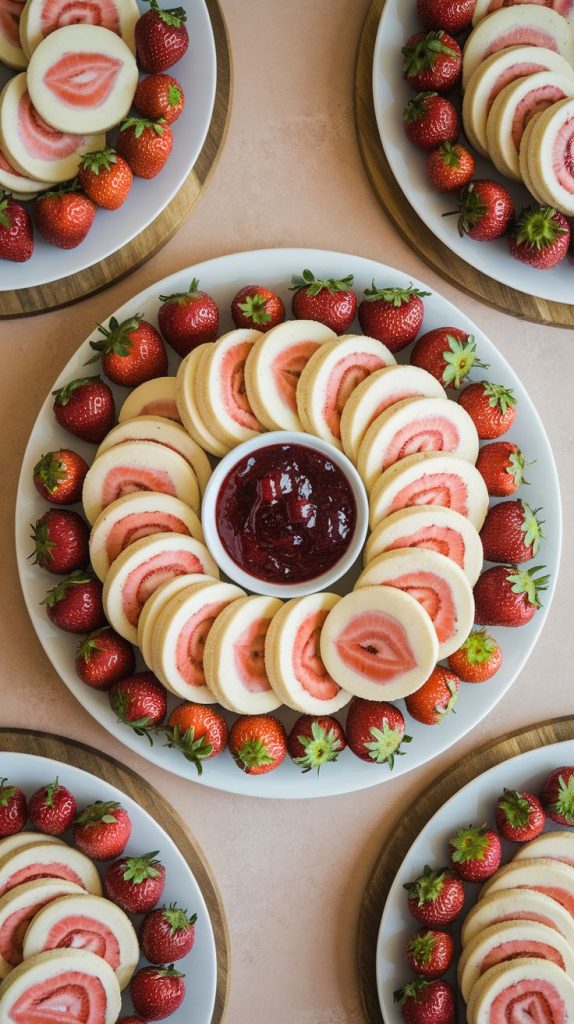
291, 874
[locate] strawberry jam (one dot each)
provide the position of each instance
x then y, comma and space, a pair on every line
286, 513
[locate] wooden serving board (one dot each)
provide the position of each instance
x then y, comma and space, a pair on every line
404, 831
42, 298
22, 741
414, 231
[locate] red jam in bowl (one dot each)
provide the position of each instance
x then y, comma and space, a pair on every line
286, 513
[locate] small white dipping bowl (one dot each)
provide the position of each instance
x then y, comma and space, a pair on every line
241, 576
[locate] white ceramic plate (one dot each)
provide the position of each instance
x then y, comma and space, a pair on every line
30, 771
222, 278
391, 94
197, 72
474, 803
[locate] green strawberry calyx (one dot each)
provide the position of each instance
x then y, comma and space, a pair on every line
411, 990
421, 947
64, 394
116, 338
314, 285
531, 527
120, 703
322, 746
428, 886
395, 296
538, 227
99, 160
517, 463
498, 396
472, 208
470, 844
167, 972
50, 470
175, 17
7, 793
564, 802
417, 107
100, 812
183, 297
460, 357
524, 582
193, 749
5, 220
50, 793
423, 55
178, 919
386, 743
516, 807
140, 124
255, 308
90, 643
479, 647
174, 94
42, 552
253, 753
450, 154
139, 869
65, 189
58, 593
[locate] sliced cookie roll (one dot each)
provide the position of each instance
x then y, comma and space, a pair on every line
557, 845
234, 656
526, 988
430, 478
517, 905
548, 156
75, 979
49, 860
152, 398
540, 873
484, 7
164, 431
17, 908
220, 392
11, 52
155, 603
536, 26
41, 17
433, 528
187, 406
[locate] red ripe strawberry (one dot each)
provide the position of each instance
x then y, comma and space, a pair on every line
85, 407
13, 810
485, 210
75, 605
492, 408
435, 698
140, 701
258, 743
135, 884
167, 934
161, 38
131, 352
435, 898
452, 15
392, 315
16, 232
433, 61
198, 731
188, 319
327, 300
450, 167
449, 353
106, 178
429, 120
61, 539
52, 809
427, 1002
430, 952
519, 817
557, 795
315, 740
102, 830
375, 731
511, 532
157, 991
103, 658
501, 465
477, 659
146, 145
159, 96
507, 596
59, 476
540, 237
257, 307
475, 853
64, 217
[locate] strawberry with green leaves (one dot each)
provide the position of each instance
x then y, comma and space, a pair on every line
557, 795
519, 816
505, 595
256, 307
103, 658
85, 407
315, 740
491, 407
475, 853
450, 167
430, 952
167, 934
102, 830
477, 659
436, 897
485, 210
502, 465
429, 120
159, 96
64, 216
52, 808
61, 541
375, 731
75, 605
16, 231
13, 809
452, 15
258, 743
145, 144
198, 731
332, 302
511, 532
188, 319
59, 476
540, 237
427, 1002
161, 38
392, 315
435, 699
157, 992
135, 884
140, 701
433, 61
106, 178
132, 352
448, 353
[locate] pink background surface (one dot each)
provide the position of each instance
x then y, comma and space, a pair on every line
291, 874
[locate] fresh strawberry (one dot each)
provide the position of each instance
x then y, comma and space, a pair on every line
511, 532
52, 809
102, 830
519, 817
106, 178
161, 38
167, 934
427, 1002
475, 853
450, 167
557, 795
75, 605
327, 300
435, 699
501, 465
140, 701
103, 658
375, 731
485, 210
131, 352
257, 307
61, 541
449, 353
136, 884
492, 408
198, 731
429, 120
433, 61
258, 743
85, 407
540, 237
392, 315
435, 898
145, 144
16, 232
315, 740
188, 319
430, 952
477, 659
59, 476
508, 596
159, 96
451, 15
157, 991
64, 216
13, 809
